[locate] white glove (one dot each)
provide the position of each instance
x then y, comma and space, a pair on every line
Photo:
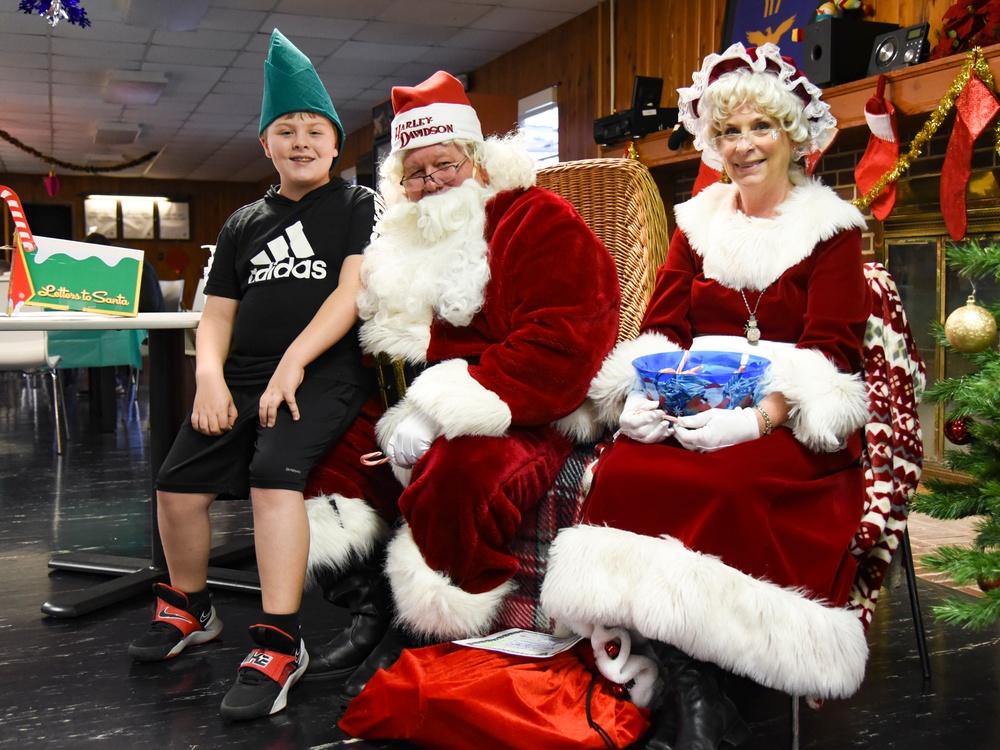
412, 439
713, 429
643, 420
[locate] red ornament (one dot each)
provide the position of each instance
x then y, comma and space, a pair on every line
957, 430
988, 585
612, 649
52, 184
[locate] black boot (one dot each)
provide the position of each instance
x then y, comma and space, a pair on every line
383, 657
365, 592
706, 717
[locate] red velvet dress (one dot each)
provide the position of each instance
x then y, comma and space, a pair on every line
771, 507
739, 556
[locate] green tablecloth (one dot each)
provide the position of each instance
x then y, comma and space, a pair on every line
97, 348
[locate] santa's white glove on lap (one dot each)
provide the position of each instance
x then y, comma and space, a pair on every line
713, 429
643, 420
413, 438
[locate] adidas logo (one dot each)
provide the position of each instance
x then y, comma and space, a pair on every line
292, 257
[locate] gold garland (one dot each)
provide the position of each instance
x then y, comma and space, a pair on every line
975, 63
70, 165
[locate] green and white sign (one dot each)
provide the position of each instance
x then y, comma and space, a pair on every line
67, 275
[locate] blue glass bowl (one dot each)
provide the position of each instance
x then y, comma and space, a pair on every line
707, 380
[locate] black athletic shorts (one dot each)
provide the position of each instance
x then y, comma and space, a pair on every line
278, 457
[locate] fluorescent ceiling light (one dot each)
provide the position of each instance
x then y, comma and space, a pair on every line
133, 87
116, 133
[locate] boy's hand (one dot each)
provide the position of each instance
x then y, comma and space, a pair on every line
285, 381
214, 411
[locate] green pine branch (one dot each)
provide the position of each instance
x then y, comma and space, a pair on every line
974, 613
972, 260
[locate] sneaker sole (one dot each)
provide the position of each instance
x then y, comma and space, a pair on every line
151, 654
260, 710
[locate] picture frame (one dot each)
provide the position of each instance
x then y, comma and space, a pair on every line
754, 22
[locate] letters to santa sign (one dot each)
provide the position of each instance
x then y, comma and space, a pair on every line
66, 275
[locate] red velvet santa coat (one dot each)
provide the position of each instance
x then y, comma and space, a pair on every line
507, 388
739, 556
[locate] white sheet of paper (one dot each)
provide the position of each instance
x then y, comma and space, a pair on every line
523, 643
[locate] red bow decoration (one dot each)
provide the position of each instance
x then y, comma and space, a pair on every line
976, 106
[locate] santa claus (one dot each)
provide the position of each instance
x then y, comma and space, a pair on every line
488, 305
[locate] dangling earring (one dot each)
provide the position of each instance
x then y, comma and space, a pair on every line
724, 177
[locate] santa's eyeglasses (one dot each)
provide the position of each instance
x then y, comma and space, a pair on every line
439, 177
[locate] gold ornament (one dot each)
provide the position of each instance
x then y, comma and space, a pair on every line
970, 329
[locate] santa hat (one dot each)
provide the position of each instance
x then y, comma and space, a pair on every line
291, 84
766, 58
434, 111
882, 152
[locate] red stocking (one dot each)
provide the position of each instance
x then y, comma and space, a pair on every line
976, 107
882, 152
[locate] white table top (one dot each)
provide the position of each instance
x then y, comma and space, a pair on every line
57, 320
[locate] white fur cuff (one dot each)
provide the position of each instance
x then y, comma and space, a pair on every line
429, 604
826, 405
657, 587
341, 530
617, 378
458, 402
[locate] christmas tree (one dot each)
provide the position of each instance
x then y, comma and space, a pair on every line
972, 414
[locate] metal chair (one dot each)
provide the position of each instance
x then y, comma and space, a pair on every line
28, 352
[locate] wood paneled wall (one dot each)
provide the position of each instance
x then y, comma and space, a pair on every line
661, 38
210, 205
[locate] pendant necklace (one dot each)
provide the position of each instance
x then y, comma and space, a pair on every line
751, 330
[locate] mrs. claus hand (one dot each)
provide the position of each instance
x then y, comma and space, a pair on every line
643, 420
713, 429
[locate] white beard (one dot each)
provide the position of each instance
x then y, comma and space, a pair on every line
429, 259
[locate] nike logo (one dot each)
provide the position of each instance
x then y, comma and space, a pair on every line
205, 616
167, 614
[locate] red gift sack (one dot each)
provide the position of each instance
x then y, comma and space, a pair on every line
451, 697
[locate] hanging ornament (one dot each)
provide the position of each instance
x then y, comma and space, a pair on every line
970, 329
957, 430
55, 11
988, 584
52, 184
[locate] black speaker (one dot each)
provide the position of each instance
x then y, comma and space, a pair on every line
836, 50
899, 49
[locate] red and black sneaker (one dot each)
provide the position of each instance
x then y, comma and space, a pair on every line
266, 675
175, 627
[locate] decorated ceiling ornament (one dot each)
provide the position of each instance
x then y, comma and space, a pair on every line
55, 11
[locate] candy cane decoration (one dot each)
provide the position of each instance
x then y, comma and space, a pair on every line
17, 213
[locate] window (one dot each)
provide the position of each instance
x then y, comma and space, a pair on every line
538, 119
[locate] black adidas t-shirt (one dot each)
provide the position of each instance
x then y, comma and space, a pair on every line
281, 259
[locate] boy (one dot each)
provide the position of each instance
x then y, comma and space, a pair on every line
278, 328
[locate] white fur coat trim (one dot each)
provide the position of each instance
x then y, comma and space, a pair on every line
617, 378
826, 405
429, 604
460, 404
342, 530
746, 252
774, 636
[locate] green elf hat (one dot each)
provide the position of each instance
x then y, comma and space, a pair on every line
291, 84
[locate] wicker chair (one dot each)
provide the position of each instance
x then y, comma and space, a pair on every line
620, 201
